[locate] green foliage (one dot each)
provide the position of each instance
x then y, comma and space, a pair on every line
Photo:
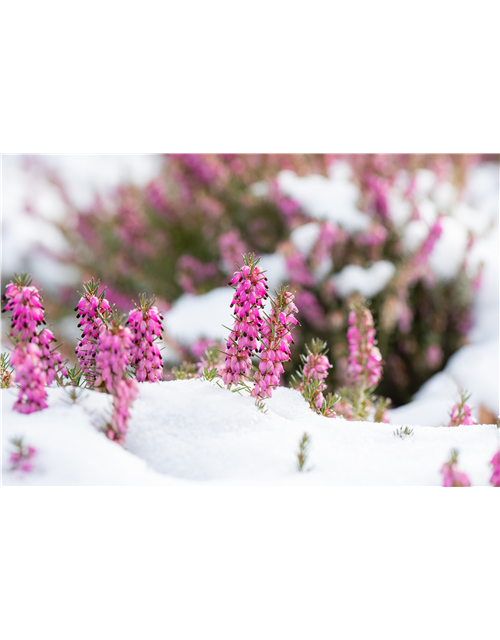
303, 453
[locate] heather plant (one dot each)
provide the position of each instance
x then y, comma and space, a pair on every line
364, 368
248, 299
21, 459
94, 311
145, 326
275, 338
184, 230
310, 379
452, 477
35, 364
114, 346
461, 412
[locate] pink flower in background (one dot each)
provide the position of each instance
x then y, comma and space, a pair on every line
311, 308
422, 256
452, 477
375, 235
231, 249
145, 326
275, 344
365, 360
434, 356
21, 458
298, 270
495, 463
251, 290
460, 413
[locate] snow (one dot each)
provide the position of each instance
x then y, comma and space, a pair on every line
190, 431
368, 282
449, 251
193, 317
326, 199
305, 236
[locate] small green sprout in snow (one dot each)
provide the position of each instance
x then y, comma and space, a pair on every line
303, 453
403, 432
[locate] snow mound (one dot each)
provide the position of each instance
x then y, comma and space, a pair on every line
368, 281
190, 431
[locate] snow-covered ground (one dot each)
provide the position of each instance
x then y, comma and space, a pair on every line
190, 431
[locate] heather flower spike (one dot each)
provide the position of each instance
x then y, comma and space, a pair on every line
94, 311
460, 413
275, 339
145, 327
495, 463
452, 477
250, 287
364, 368
310, 380
112, 359
36, 365
21, 458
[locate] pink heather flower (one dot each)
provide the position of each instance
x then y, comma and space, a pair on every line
251, 290
434, 356
27, 310
298, 270
35, 364
91, 308
375, 235
328, 235
145, 326
31, 378
422, 256
365, 360
113, 354
315, 368
460, 413
275, 344
231, 249
20, 459
311, 309
495, 463
452, 477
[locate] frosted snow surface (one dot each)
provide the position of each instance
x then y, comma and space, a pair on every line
189, 431
368, 282
326, 199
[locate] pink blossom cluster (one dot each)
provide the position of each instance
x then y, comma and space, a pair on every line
460, 413
275, 344
375, 235
36, 365
21, 460
316, 365
145, 326
452, 477
192, 272
422, 256
231, 249
31, 378
495, 463
251, 290
365, 360
92, 309
27, 310
113, 354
